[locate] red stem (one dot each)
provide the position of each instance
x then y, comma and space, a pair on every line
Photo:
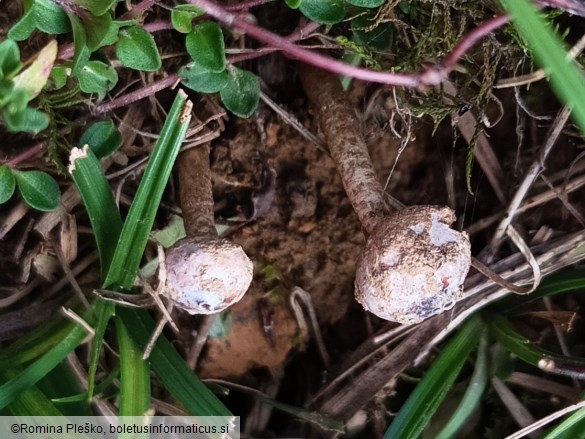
429, 77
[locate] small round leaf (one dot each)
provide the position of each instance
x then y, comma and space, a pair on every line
366, 3
242, 92
323, 11
293, 4
22, 29
28, 120
102, 137
137, 50
9, 58
97, 77
50, 18
182, 17
201, 80
7, 184
38, 189
206, 46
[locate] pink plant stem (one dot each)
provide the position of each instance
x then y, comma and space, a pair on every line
431, 76
243, 6
25, 155
137, 95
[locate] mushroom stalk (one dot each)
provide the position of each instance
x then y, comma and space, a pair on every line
205, 273
195, 191
342, 132
413, 265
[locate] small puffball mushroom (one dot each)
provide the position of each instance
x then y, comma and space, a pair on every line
414, 264
205, 277
205, 273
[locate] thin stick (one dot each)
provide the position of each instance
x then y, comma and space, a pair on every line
529, 179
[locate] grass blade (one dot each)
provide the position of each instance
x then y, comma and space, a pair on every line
134, 375
13, 388
170, 368
138, 224
501, 329
432, 389
473, 394
565, 78
106, 223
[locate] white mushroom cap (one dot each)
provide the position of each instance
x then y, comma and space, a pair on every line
413, 265
207, 276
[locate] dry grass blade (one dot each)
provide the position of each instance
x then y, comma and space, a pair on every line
530, 178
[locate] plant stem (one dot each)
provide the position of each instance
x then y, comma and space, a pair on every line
137, 95
431, 76
195, 191
343, 136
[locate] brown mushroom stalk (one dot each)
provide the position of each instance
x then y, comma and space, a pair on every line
205, 273
413, 265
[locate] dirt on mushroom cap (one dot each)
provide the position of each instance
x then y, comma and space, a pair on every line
413, 265
205, 277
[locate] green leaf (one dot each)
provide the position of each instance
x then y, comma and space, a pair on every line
432, 389
573, 426
566, 78
24, 27
97, 77
172, 232
96, 29
473, 394
366, 3
96, 7
134, 375
503, 331
293, 4
35, 343
58, 77
242, 92
379, 38
38, 189
323, 11
31, 402
9, 59
102, 137
137, 50
106, 222
7, 184
202, 80
81, 52
206, 46
14, 387
104, 310
171, 369
182, 17
34, 78
50, 18
138, 224
27, 120
112, 36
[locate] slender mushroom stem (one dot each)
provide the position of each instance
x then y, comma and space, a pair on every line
205, 273
348, 150
195, 191
413, 265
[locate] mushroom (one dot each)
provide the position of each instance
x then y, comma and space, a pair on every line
205, 273
413, 265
